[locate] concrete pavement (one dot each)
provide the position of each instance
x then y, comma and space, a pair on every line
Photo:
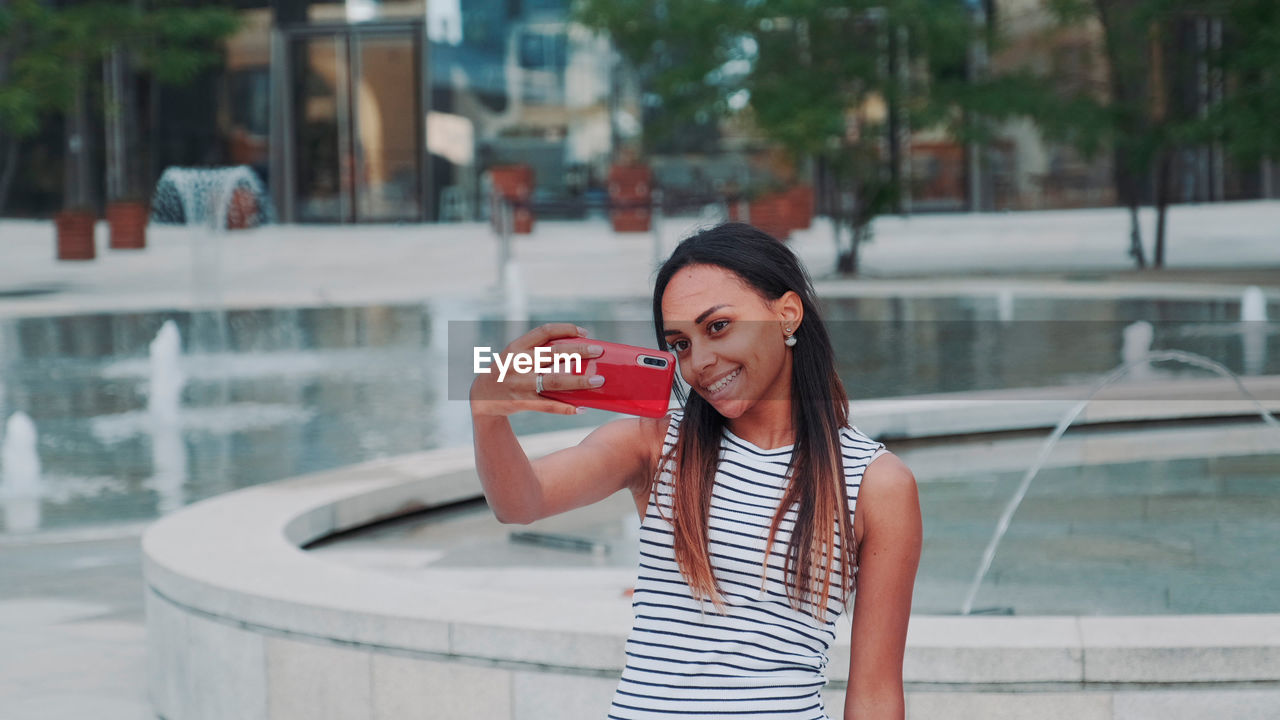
359, 265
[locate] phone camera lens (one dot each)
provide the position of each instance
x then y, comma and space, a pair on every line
655, 362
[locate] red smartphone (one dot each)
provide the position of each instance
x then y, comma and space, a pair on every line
637, 381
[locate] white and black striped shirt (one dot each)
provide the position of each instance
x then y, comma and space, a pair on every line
762, 658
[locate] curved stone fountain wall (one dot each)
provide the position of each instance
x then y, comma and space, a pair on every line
243, 623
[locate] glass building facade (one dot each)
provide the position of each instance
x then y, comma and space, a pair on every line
391, 111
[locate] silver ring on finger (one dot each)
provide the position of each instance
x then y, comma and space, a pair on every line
538, 383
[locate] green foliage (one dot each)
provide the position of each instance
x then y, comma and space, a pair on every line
177, 43
1245, 122
46, 53
31, 83
1145, 114
815, 76
1070, 12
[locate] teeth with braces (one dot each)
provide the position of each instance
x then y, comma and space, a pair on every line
724, 381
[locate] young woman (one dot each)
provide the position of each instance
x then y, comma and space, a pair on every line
748, 497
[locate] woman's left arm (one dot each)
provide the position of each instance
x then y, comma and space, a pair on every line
887, 560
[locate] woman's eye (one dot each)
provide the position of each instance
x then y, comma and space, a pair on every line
678, 346
718, 325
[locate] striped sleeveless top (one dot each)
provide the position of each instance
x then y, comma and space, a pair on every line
762, 658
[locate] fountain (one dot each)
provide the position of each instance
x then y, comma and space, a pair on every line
168, 453
515, 298
1253, 337
1135, 346
452, 411
444, 584
1004, 305
510, 280
20, 475
1253, 305
166, 377
1144, 361
222, 198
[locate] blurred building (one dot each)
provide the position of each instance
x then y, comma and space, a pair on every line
392, 110
1021, 170
381, 110
376, 111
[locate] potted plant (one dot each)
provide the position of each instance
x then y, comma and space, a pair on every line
768, 207
630, 194
77, 221
74, 227
514, 184
172, 44
128, 220
43, 67
800, 206
57, 50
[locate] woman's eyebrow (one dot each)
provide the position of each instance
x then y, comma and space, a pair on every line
698, 320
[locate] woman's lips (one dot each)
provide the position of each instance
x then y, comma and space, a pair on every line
720, 386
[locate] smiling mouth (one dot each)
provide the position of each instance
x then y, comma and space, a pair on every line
723, 382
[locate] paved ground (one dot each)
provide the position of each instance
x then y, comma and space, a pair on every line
71, 627
72, 632
352, 265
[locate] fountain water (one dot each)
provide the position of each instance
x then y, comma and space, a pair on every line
515, 298
168, 452
452, 411
1003, 524
510, 280
1004, 305
1253, 337
20, 474
1253, 305
166, 377
1135, 346
220, 198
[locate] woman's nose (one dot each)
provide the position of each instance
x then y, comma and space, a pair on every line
701, 356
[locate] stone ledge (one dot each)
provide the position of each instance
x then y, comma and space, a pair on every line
235, 562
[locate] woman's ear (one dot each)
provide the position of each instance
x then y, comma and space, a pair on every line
790, 310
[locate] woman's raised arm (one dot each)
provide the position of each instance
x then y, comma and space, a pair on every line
620, 454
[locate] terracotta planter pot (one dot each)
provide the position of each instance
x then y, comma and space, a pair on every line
769, 213
630, 197
800, 206
128, 221
630, 219
75, 234
514, 183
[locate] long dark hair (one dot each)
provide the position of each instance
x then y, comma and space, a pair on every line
823, 529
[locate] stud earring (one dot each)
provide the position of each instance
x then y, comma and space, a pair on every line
791, 339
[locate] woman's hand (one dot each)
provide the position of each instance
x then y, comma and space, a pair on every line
518, 391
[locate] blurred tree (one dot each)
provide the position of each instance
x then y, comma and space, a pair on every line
1242, 66
48, 55
1182, 73
30, 84
836, 81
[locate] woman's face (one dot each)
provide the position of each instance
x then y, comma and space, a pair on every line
729, 340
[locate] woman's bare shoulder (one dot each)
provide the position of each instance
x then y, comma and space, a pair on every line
655, 431
888, 490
